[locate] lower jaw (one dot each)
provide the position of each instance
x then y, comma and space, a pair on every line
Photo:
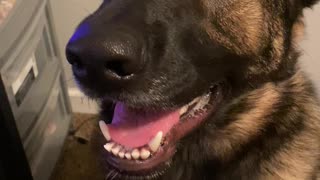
161, 160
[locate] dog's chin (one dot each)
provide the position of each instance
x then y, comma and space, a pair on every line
142, 142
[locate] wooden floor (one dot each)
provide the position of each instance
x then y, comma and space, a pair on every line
78, 160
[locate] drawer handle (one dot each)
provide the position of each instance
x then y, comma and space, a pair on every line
31, 66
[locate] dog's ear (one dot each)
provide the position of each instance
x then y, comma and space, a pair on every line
308, 3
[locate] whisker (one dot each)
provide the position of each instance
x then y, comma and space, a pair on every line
115, 175
109, 174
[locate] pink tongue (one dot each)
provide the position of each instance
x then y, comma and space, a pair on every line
134, 129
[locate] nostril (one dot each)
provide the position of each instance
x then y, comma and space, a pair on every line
74, 60
119, 67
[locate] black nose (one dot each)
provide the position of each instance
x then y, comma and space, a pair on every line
117, 54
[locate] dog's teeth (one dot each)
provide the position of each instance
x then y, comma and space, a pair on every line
109, 146
198, 106
202, 102
135, 154
183, 110
145, 154
128, 155
105, 130
194, 101
115, 150
121, 154
155, 143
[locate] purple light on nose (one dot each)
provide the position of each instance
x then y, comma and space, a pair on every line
81, 32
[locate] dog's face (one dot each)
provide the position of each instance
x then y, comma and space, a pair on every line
163, 70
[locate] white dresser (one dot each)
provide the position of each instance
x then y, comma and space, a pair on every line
33, 95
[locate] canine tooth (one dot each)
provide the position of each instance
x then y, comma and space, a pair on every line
202, 102
194, 101
183, 110
116, 150
145, 154
105, 130
200, 105
154, 144
109, 146
135, 154
121, 154
128, 155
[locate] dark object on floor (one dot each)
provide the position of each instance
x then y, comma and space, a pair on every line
78, 160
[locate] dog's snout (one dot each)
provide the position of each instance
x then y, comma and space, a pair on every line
117, 54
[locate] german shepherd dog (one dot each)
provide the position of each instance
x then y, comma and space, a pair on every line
200, 89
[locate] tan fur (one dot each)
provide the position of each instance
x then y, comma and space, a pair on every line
278, 49
248, 124
297, 161
298, 32
242, 20
253, 121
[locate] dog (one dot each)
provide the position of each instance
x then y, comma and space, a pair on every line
200, 89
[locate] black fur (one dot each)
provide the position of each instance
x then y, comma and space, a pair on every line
309, 3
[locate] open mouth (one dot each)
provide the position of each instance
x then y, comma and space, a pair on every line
142, 141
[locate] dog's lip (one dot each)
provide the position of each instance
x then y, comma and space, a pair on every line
162, 157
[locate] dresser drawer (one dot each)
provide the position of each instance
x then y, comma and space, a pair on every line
29, 73
34, 102
45, 141
51, 120
19, 24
